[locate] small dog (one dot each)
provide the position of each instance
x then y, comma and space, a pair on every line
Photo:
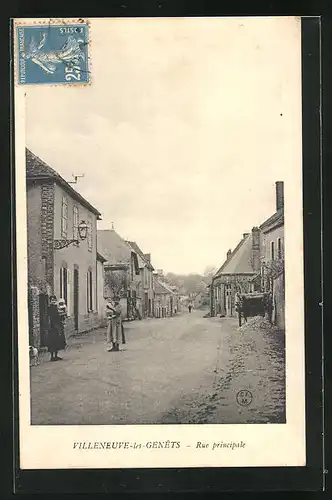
34, 356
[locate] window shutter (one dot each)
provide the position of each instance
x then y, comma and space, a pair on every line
90, 289
92, 294
87, 291
68, 293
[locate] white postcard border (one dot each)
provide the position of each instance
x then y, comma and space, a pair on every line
53, 447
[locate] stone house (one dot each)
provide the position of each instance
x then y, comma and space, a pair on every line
165, 302
202, 298
272, 273
256, 264
236, 274
176, 301
121, 270
101, 301
54, 213
145, 291
199, 300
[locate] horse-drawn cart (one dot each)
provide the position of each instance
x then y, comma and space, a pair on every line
253, 304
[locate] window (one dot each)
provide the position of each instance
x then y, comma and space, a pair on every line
89, 235
279, 248
272, 250
75, 222
89, 291
64, 284
145, 277
64, 217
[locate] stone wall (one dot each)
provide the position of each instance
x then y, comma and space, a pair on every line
34, 317
40, 203
279, 301
47, 231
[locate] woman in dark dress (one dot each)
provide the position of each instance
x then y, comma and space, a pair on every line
56, 336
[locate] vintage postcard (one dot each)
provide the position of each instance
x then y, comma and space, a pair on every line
158, 167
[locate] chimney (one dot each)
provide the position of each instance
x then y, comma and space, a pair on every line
245, 235
256, 261
279, 195
148, 257
229, 253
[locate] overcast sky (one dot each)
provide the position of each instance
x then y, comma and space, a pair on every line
183, 132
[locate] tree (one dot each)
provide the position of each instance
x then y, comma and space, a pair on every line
209, 271
208, 274
116, 283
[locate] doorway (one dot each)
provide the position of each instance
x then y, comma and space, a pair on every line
76, 298
146, 304
228, 300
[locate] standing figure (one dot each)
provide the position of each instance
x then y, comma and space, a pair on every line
110, 315
114, 329
190, 307
56, 336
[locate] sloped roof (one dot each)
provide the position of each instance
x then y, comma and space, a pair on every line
101, 258
162, 287
140, 262
139, 252
240, 259
277, 219
38, 170
36, 167
113, 247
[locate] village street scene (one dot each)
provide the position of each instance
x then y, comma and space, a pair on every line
155, 226
141, 345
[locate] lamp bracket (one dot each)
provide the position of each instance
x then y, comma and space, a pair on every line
59, 244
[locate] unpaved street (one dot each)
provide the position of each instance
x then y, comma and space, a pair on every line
185, 369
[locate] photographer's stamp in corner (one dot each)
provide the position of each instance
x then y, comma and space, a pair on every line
53, 53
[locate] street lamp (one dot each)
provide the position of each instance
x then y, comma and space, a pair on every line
82, 229
64, 243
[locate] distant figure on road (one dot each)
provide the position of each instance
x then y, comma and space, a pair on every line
190, 307
56, 335
114, 326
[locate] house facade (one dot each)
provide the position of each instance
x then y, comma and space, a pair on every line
199, 300
55, 211
235, 275
256, 264
166, 303
145, 289
101, 301
121, 271
272, 273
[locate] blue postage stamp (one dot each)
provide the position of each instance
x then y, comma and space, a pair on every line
53, 54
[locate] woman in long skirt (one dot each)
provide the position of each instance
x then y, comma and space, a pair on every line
56, 336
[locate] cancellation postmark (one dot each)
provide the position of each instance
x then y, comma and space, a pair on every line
56, 52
